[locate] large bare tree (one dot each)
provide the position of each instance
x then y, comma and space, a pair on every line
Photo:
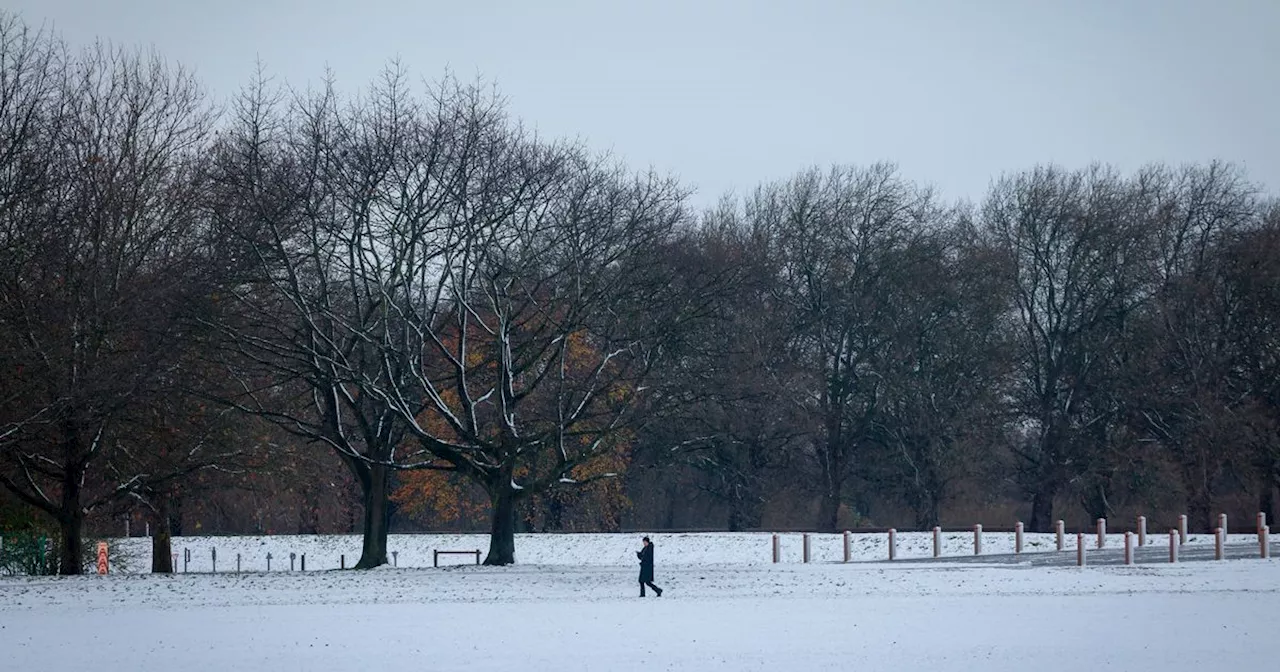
101, 232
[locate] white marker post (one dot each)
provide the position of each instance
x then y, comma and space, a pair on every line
1017, 538
1173, 546
1128, 548
1182, 529
977, 539
1102, 532
806, 547
1061, 532
777, 550
1262, 521
1222, 523
848, 550
893, 544
1142, 531
1217, 543
1080, 549
937, 542
1264, 542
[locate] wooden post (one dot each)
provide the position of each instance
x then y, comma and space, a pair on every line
1264, 542
1182, 529
1080, 549
1128, 548
1017, 537
937, 542
1217, 543
893, 544
847, 548
777, 550
1142, 531
214, 556
1173, 545
806, 547
1102, 532
1061, 532
977, 539
1222, 524
237, 563
304, 562
342, 561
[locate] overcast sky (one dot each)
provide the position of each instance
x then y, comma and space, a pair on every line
727, 93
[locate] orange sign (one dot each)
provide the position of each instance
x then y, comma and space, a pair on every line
102, 557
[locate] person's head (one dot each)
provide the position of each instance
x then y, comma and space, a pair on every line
646, 541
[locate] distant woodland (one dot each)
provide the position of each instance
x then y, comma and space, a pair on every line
307, 311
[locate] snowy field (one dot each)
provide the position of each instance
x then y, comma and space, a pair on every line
572, 605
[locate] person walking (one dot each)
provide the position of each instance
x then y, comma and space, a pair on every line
646, 568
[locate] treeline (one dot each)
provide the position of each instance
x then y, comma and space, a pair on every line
308, 311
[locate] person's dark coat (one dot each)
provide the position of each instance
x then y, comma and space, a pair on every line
646, 563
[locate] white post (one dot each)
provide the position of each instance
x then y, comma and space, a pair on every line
937, 542
977, 539
1061, 532
847, 548
1264, 542
1128, 548
1080, 549
126, 526
1217, 543
148, 528
806, 547
1222, 523
1262, 521
1017, 537
1182, 529
1173, 546
777, 551
1142, 531
1102, 532
893, 544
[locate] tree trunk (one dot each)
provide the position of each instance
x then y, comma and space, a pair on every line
829, 509
929, 512
71, 522
1200, 511
162, 542
375, 485
502, 532
71, 560
1267, 499
744, 513
1042, 508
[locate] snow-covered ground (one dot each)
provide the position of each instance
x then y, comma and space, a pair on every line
573, 605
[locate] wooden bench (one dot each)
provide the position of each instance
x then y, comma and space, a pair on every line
435, 559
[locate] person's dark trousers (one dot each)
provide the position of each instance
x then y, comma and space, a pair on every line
656, 589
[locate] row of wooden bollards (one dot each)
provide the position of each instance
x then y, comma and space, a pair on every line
1177, 537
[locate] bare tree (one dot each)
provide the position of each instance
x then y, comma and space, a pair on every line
1077, 260
835, 235
1192, 400
101, 228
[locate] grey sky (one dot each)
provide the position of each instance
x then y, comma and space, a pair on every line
727, 94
